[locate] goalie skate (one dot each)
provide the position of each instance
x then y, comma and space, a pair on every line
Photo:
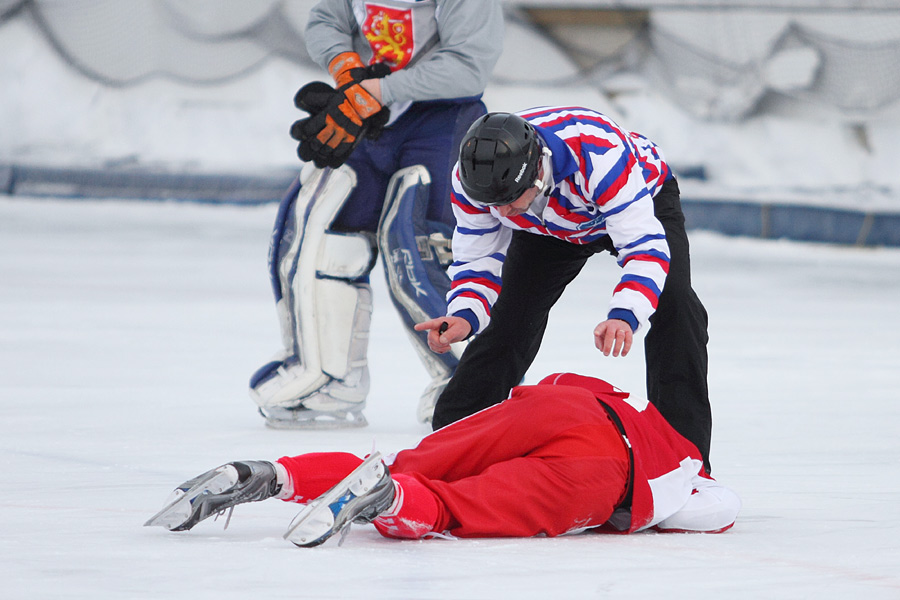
308, 418
336, 405
214, 492
359, 498
425, 410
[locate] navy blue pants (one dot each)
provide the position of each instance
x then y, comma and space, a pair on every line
428, 134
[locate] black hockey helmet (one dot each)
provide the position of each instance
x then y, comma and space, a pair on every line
499, 158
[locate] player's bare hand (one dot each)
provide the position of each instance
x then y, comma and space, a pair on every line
615, 336
373, 86
444, 331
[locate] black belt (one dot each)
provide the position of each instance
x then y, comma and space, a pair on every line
626, 499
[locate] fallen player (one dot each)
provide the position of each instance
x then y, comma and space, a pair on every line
569, 454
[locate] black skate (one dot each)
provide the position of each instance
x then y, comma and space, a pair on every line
216, 491
359, 498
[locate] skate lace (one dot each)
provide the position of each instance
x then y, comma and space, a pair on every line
228, 510
345, 531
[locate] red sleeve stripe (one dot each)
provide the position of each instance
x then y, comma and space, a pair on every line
495, 287
475, 296
641, 289
662, 261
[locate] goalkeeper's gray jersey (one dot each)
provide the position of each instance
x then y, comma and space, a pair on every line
459, 41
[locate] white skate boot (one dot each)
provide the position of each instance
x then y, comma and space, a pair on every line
335, 405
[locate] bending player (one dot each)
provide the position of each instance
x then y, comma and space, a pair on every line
379, 144
536, 194
569, 454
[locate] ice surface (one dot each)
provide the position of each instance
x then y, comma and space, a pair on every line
129, 331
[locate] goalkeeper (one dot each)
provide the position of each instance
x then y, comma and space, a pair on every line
379, 146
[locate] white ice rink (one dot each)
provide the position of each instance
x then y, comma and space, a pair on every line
128, 332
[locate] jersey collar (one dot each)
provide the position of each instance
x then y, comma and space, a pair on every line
564, 164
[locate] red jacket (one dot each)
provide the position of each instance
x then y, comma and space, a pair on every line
667, 469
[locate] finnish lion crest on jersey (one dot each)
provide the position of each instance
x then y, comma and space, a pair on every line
389, 32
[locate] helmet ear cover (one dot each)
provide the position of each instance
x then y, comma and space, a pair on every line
499, 158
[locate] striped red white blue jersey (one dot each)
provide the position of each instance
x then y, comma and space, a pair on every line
604, 181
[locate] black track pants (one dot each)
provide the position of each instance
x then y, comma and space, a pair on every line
675, 345
535, 274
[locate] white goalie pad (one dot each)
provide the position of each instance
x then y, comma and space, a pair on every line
324, 315
343, 317
344, 256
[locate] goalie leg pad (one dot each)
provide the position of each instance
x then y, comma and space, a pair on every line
416, 253
324, 312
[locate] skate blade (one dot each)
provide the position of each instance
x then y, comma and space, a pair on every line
425, 409
178, 508
314, 419
316, 519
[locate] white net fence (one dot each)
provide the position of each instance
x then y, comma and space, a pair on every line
719, 60
192, 41
727, 64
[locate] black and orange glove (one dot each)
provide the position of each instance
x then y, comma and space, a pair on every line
347, 68
339, 120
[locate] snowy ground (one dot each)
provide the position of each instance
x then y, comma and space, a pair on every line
128, 331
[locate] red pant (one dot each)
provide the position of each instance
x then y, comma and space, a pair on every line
541, 462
